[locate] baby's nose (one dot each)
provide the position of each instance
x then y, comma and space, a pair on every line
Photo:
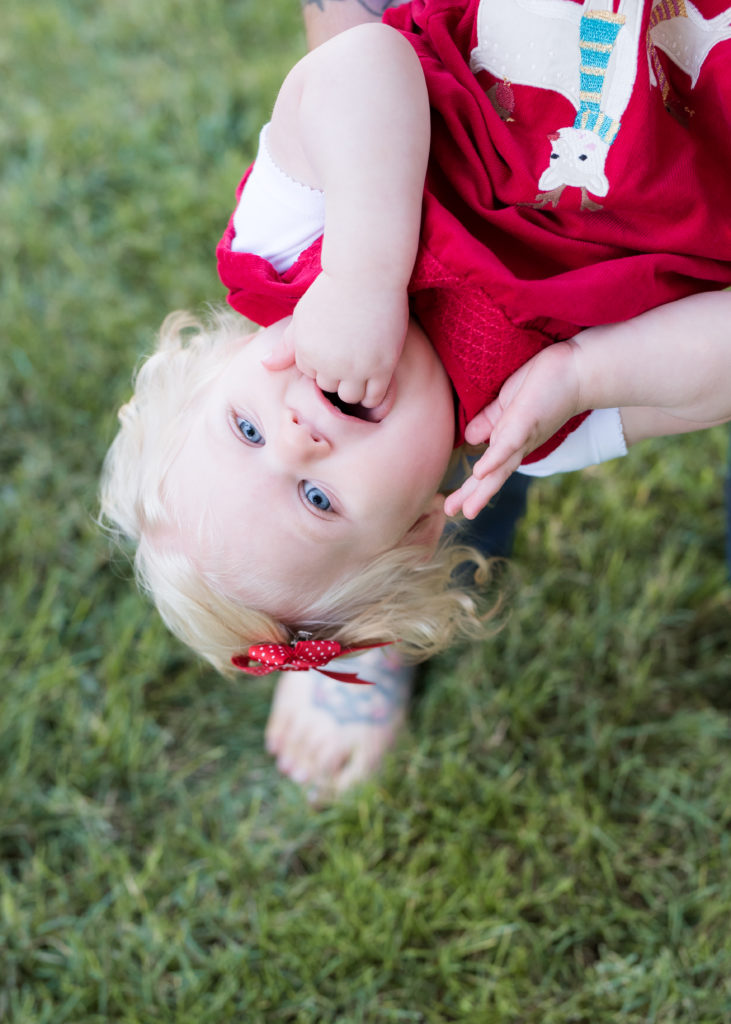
302, 437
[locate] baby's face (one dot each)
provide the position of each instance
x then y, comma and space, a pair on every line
295, 494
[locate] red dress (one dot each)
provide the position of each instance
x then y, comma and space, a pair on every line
578, 176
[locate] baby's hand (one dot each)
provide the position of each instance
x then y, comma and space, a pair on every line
533, 403
347, 336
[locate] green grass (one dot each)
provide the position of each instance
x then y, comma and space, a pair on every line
551, 841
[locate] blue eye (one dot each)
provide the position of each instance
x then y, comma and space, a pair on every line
249, 431
316, 497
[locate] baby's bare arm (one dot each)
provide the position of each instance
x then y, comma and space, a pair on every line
668, 371
352, 119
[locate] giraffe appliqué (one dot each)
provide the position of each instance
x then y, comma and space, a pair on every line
590, 54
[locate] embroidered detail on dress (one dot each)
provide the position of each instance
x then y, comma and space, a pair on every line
664, 11
502, 97
679, 29
579, 153
588, 54
597, 35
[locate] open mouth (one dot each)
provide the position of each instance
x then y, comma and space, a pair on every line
357, 411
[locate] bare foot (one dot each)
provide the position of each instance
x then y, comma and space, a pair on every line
327, 735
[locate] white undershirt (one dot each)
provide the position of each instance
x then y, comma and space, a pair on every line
277, 218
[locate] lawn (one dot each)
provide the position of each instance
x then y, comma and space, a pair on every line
550, 842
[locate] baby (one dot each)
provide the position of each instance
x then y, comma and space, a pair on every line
283, 486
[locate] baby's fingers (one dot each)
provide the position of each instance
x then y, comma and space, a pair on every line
282, 354
351, 390
488, 476
369, 393
325, 382
502, 456
453, 502
375, 391
481, 494
479, 429
473, 495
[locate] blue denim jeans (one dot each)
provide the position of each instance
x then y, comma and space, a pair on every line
728, 508
492, 532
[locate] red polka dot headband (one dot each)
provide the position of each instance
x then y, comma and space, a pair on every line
299, 656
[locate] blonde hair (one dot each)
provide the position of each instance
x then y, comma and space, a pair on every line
408, 594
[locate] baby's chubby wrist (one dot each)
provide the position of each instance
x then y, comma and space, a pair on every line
365, 252
579, 375
374, 299
602, 375
371, 275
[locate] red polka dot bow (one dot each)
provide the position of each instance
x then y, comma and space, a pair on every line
261, 659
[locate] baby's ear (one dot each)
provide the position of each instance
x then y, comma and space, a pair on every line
428, 528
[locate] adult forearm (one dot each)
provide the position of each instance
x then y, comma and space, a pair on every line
326, 18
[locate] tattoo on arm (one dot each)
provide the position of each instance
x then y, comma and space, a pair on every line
327, 18
373, 7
